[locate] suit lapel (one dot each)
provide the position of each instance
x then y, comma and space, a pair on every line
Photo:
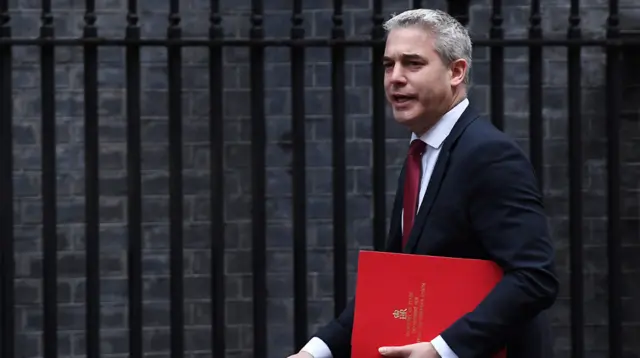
394, 243
439, 171
427, 202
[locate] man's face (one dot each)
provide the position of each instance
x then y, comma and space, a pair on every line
418, 84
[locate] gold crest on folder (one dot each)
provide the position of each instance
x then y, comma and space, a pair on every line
400, 314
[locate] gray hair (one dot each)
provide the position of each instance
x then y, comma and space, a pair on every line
452, 40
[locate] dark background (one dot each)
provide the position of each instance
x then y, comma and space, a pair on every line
69, 107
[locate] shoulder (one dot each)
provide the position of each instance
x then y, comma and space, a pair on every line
491, 160
482, 144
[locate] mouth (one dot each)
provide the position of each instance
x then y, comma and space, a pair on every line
402, 98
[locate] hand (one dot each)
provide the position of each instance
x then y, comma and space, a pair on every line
301, 355
416, 350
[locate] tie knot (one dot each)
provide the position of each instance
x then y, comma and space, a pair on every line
417, 148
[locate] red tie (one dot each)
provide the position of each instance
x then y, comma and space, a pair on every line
411, 187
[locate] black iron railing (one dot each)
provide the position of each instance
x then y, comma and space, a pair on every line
132, 43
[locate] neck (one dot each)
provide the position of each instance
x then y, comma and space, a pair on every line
458, 97
455, 100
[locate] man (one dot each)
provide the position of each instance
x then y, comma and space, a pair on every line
475, 194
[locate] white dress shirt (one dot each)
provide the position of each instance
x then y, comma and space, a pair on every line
434, 139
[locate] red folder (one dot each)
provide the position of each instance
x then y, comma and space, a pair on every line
403, 299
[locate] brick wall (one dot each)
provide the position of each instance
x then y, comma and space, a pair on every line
69, 19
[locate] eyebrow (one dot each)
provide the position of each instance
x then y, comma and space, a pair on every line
405, 57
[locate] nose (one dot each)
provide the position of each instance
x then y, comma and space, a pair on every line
395, 74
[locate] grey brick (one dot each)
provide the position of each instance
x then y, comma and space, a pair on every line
238, 174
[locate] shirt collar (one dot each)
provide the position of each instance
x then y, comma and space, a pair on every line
435, 136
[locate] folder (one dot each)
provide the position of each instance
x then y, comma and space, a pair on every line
403, 298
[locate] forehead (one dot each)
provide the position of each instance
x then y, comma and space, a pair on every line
412, 40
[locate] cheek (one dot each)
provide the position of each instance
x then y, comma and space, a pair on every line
434, 85
427, 81
386, 85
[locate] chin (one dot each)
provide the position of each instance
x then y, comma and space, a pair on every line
405, 119
408, 123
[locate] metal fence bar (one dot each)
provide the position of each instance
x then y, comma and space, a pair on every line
47, 42
496, 32
614, 242
309, 42
49, 207
536, 121
134, 183
174, 57
92, 191
459, 9
258, 164
7, 264
299, 180
216, 137
378, 140
575, 182
338, 105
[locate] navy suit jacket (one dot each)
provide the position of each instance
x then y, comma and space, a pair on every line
482, 202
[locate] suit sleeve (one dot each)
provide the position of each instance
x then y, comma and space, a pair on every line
506, 213
337, 333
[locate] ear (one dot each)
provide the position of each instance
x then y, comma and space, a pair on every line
458, 70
